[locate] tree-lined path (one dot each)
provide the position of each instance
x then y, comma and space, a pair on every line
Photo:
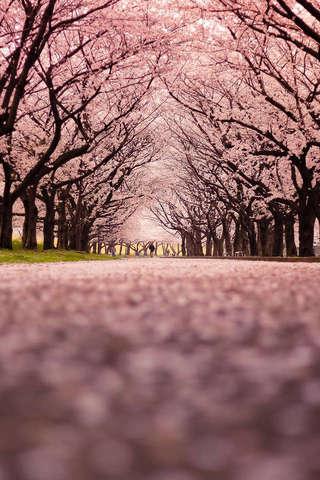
161, 369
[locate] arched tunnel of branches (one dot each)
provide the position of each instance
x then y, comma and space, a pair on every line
205, 113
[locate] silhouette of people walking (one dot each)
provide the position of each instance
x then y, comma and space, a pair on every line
152, 249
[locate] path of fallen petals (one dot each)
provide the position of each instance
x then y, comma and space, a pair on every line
160, 369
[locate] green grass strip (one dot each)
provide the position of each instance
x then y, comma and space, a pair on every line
20, 255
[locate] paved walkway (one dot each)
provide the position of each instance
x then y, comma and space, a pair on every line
160, 369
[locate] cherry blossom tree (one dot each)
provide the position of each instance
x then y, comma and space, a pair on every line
258, 92
232, 88
98, 204
78, 86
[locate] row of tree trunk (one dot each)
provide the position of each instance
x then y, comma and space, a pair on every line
262, 238
137, 248
66, 223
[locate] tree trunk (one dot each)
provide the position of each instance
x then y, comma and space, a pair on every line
277, 248
78, 237
190, 246
308, 206
183, 245
241, 241
49, 221
84, 245
306, 231
80, 228
198, 244
227, 238
62, 225
217, 247
291, 248
71, 238
208, 252
237, 244
252, 239
6, 224
29, 238
6, 208
263, 237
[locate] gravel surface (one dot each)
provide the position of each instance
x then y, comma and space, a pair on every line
160, 369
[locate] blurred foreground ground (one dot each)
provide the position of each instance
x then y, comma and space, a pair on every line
160, 369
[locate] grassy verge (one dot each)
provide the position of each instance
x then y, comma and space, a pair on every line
19, 255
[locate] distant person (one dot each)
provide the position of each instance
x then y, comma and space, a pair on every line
152, 249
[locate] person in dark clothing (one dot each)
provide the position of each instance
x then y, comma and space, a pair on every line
152, 249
